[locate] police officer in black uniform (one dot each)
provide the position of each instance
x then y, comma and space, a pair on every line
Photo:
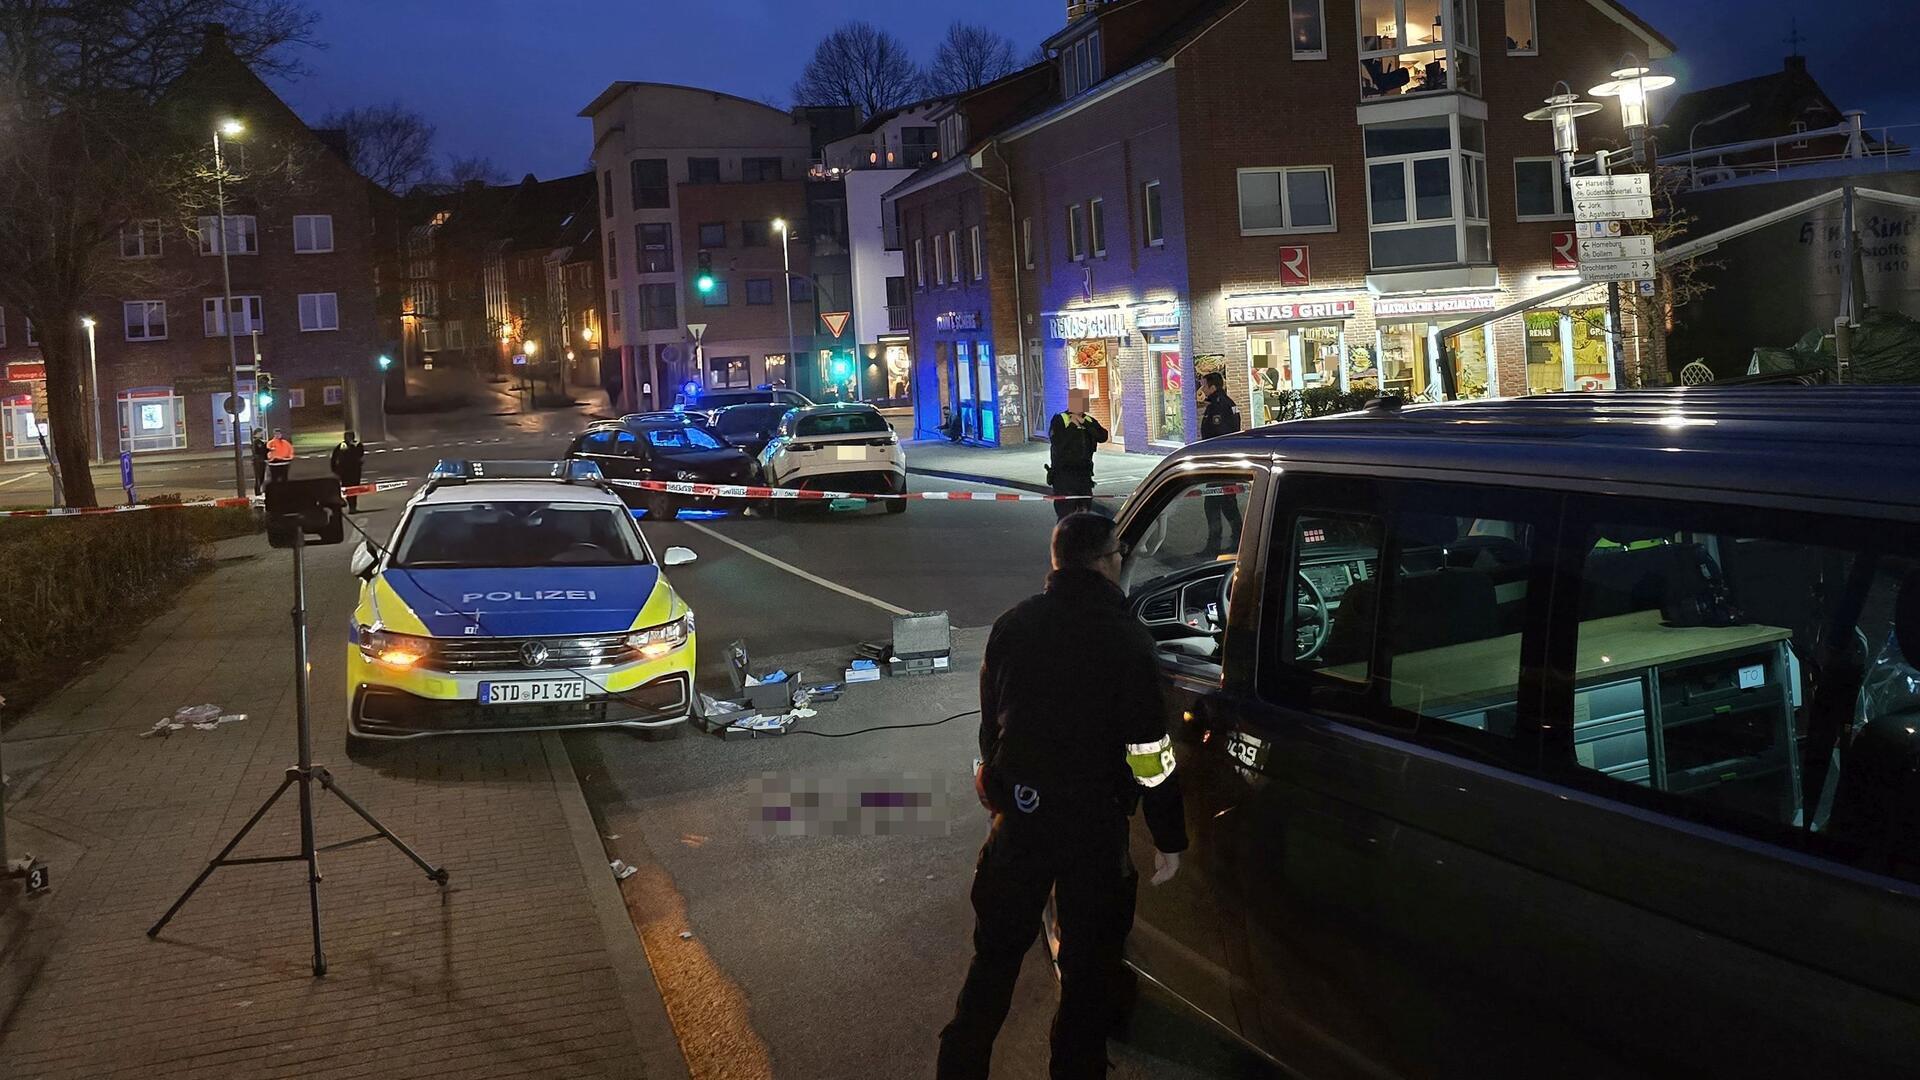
1073, 735
1221, 416
1072, 439
347, 461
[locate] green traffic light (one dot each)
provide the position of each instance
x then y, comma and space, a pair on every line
266, 402
704, 283
385, 362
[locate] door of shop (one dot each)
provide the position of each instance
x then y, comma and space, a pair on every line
19, 436
223, 424
987, 413
1568, 350
963, 387
1092, 369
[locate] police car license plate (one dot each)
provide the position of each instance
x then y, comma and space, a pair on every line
533, 692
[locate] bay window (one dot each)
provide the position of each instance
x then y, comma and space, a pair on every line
1418, 47
1427, 192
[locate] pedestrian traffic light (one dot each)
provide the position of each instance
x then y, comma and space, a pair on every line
385, 361
263, 391
842, 367
703, 281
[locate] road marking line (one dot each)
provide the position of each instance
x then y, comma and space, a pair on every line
799, 573
17, 479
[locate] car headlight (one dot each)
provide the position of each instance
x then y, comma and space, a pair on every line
393, 650
657, 641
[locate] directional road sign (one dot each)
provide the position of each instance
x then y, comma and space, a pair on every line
1618, 247
1610, 207
1616, 269
1589, 230
1617, 185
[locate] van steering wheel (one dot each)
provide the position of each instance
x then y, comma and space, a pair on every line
1310, 610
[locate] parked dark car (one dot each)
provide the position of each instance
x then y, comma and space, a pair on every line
709, 402
1572, 736
665, 417
661, 450
749, 427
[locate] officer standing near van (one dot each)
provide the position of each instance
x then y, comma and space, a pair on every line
1073, 735
259, 461
347, 461
1220, 415
279, 456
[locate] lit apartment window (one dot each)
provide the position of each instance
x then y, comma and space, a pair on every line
312, 233
1310, 29
1150, 215
319, 311
246, 316
1097, 225
146, 320
1523, 23
141, 239
1415, 47
1286, 200
241, 236
1539, 191
1076, 232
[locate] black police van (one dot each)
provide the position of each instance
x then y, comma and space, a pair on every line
1571, 736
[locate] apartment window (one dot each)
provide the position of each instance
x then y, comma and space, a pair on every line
141, 239
3, 326
32, 337
659, 307
1539, 191
1418, 47
319, 311
1076, 232
1413, 167
613, 257
296, 397
649, 181
456, 332
613, 310
606, 193
703, 170
1026, 242
920, 266
333, 395
716, 296
1150, 214
973, 252
896, 303
939, 259
1286, 200
759, 290
1799, 127
755, 233
1522, 24
713, 234
1080, 64
800, 289
1097, 225
953, 256
312, 232
240, 237
656, 246
431, 339
246, 316
756, 169
145, 320
729, 372
952, 135
1310, 29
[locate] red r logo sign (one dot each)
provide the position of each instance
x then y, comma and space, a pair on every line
1295, 270
1565, 253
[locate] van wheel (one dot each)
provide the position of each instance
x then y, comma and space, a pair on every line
661, 507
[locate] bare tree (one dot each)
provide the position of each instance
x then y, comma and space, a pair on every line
970, 55
861, 65
98, 130
476, 169
390, 144
1674, 286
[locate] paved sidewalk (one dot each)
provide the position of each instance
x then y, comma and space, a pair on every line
526, 965
1022, 466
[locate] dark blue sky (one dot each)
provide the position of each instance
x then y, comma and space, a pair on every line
504, 78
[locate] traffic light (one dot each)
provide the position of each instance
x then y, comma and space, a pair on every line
842, 367
703, 281
385, 361
263, 391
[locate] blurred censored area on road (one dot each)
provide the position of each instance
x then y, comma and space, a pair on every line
800, 804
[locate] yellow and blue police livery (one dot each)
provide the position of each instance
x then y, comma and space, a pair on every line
516, 596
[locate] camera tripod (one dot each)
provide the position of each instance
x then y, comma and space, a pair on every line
305, 773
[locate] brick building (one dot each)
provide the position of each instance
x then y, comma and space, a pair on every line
1314, 235
299, 240
745, 342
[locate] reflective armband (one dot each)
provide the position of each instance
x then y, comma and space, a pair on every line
1151, 762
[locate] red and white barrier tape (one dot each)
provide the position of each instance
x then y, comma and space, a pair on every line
737, 491
230, 501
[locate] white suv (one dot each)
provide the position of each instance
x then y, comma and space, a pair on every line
837, 448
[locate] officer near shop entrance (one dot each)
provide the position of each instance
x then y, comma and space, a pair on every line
1072, 439
1073, 736
1219, 415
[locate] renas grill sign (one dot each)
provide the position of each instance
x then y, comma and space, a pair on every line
1254, 312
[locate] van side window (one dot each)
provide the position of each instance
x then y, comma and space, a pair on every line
1746, 667
1179, 564
1335, 556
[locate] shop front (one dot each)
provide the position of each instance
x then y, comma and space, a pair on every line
19, 429
1294, 345
1568, 349
1407, 342
964, 384
152, 418
1091, 342
1167, 385
890, 372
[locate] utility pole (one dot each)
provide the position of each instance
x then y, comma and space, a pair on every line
234, 412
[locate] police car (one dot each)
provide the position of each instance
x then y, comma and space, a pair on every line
516, 596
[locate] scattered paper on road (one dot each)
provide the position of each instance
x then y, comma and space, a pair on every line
621, 871
198, 717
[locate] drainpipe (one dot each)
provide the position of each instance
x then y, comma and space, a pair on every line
1019, 307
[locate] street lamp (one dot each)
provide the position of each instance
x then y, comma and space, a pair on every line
93, 384
229, 127
786, 269
1632, 84
586, 334
1564, 111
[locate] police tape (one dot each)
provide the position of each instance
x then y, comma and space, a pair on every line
355, 491
738, 491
